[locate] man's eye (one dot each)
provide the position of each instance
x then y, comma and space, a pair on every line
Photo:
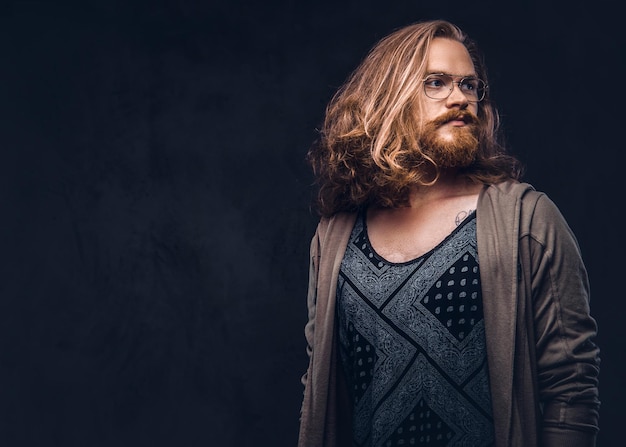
434, 83
469, 85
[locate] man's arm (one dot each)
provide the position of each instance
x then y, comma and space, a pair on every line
567, 357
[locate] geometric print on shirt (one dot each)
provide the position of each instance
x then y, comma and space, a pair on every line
412, 344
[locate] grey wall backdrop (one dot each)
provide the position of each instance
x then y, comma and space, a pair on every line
155, 201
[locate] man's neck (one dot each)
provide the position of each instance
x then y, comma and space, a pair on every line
448, 185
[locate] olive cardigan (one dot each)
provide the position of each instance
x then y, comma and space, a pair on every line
543, 363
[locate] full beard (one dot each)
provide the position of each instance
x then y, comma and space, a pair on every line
456, 150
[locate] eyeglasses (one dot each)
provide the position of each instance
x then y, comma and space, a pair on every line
440, 86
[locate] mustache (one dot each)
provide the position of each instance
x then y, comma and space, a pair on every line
453, 115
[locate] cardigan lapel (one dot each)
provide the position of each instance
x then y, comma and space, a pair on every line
333, 239
497, 239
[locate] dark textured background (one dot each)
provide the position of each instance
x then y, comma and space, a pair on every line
155, 202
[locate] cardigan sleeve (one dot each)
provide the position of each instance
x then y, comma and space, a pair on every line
309, 328
567, 356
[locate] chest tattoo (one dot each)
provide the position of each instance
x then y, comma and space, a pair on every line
461, 217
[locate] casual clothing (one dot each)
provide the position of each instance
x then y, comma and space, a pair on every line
543, 364
412, 344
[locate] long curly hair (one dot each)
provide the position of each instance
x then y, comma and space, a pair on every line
369, 149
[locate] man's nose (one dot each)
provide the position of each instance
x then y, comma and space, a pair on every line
457, 98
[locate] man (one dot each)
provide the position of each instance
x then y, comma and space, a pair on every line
448, 302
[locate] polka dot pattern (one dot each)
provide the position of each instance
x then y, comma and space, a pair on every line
422, 427
455, 298
363, 357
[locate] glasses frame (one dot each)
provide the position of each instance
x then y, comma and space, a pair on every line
458, 84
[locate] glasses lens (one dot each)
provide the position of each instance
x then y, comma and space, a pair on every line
473, 88
437, 86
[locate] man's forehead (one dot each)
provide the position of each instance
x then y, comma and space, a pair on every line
449, 56
452, 75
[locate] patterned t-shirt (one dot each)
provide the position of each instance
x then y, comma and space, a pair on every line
412, 344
